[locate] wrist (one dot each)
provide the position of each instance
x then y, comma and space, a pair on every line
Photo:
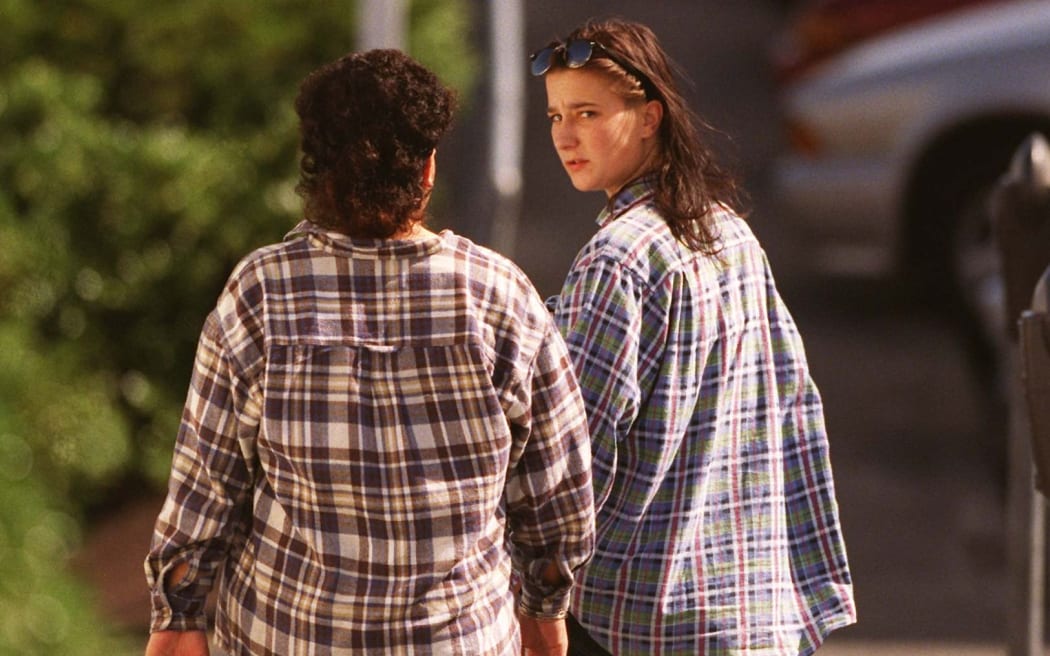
538, 616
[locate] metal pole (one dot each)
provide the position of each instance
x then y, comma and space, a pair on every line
1021, 223
507, 124
381, 24
1026, 530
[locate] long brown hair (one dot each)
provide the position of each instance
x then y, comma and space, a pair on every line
690, 183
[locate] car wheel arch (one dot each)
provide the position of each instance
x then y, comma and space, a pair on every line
970, 153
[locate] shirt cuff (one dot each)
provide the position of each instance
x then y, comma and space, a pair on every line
549, 604
182, 608
160, 622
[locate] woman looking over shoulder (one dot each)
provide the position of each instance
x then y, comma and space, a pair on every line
717, 524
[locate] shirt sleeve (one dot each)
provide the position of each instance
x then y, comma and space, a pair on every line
599, 314
549, 496
208, 501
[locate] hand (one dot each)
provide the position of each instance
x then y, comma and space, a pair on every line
543, 637
177, 643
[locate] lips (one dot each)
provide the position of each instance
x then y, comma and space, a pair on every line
575, 164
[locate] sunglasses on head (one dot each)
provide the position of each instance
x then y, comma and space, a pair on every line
575, 53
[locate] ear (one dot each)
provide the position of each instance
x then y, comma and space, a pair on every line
430, 170
653, 115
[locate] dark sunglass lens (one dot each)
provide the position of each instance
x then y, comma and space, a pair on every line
541, 61
578, 53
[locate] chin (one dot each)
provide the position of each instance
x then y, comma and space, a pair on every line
582, 185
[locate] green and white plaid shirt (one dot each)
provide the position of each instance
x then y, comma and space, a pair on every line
718, 529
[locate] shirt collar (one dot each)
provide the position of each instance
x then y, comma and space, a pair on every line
366, 247
633, 193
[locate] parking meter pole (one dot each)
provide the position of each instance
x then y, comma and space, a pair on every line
1021, 221
1026, 528
1034, 411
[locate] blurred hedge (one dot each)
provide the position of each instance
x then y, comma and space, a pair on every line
144, 148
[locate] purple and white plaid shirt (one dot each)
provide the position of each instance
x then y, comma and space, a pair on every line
718, 529
374, 431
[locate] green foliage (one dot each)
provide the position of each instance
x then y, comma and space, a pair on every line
118, 238
229, 66
144, 148
437, 39
42, 610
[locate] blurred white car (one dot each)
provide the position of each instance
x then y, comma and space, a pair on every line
895, 142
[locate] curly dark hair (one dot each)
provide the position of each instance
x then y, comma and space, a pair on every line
690, 182
368, 124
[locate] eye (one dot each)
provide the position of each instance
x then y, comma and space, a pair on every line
588, 113
554, 118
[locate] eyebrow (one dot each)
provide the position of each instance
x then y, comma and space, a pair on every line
575, 105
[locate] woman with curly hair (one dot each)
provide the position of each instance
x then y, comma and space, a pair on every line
382, 423
717, 525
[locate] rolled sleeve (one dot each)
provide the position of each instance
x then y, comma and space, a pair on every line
550, 498
208, 491
179, 607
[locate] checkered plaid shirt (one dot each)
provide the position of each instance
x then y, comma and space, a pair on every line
718, 528
374, 432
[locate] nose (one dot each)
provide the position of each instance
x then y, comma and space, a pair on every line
563, 135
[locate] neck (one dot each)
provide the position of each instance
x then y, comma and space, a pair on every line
414, 231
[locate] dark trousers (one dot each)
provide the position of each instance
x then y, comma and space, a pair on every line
580, 642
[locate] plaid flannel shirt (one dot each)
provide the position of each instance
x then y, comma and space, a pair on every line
374, 431
717, 523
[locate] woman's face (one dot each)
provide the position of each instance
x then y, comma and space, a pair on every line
603, 140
